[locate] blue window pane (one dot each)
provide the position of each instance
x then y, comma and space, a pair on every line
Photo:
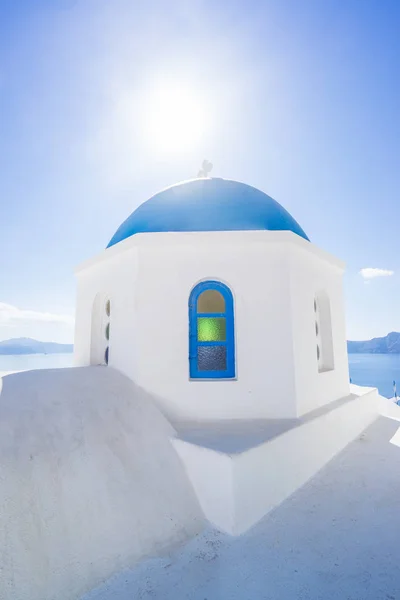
211, 358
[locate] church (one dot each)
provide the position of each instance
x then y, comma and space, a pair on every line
211, 385
211, 297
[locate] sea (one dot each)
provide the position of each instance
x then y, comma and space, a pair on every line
376, 370
28, 362
372, 370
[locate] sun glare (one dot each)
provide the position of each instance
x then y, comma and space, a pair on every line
175, 119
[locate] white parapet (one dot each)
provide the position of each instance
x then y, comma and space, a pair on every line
211, 474
237, 487
89, 482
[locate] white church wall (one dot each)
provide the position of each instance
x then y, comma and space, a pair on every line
83, 323
318, 382
273, 277
99, 321
112, 278
170, 266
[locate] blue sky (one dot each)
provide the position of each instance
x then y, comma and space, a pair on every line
302, 101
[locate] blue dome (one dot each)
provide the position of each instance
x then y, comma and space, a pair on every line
208, 205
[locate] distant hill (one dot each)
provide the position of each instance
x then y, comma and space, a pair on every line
29, 346
389, 344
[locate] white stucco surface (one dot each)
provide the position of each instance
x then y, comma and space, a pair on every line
313, 277
274, 277
389, 409
212, 476
299, 454
89, 482
241, 471
334, 538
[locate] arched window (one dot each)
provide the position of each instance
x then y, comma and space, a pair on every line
323, 332
211, 332
107, 330
100, 333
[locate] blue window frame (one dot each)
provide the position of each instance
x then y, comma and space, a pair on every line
211, 332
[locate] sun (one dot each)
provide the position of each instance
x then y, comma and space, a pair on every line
175, 118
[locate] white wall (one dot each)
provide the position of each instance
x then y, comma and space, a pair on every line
265, 476
259, 283
236, 490
272, 276
116, 279
98, 340
211, 474
309, 276
388, 408
90, 482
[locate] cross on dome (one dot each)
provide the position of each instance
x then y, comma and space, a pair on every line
206, 168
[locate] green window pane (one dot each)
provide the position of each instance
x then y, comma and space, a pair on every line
211, 301
211, 329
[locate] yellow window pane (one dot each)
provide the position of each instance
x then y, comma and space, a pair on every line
211, 329
211, 301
